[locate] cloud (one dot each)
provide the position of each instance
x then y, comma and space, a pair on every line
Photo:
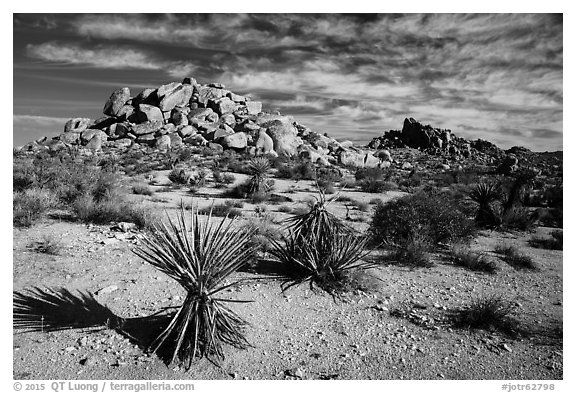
28, 127
107, 57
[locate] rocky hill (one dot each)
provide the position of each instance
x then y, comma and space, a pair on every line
189, 113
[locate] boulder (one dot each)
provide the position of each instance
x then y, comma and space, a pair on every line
179, 117
70, 138
383, 155
215, 147
167, 88
508, 165
116, 101
206, 93
228, 119
238, 140
264, 143
415, 135
254, 107
180, 96
122, 143
146, 128
146, 139
77, 124
199, 114
175, 140
89, 134
185, 131
117, 130
189, 81
95, 143
103, 122
236, 98
223, 105
285, 137
146, 96
126, 112
163, 142
148, 113
357, 158
195, 140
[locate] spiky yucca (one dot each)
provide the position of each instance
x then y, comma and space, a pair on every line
200, 256
318, 248
258, 168
484, 194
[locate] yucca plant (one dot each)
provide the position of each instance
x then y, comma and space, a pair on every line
319, 249
258, 168
484, 194
200, 256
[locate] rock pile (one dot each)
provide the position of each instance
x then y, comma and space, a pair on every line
424, 137
189, 113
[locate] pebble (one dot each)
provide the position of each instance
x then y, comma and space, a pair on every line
506, 347
106, 290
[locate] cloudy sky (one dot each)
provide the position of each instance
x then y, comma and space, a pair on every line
490, 76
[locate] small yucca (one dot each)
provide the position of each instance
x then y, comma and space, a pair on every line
200, 256
484, 194
258, 168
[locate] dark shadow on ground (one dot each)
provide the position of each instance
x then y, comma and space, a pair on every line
49, 309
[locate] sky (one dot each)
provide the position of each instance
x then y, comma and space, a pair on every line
497, 77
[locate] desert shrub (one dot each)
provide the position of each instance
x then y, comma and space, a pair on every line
201, 259
319, 249
485, 194
486, 312
376, 186
429, 215
463, 256
554, 242
326, 178
200, 179
513, 257
348, 184
411, 182
414, 251
362, 206
48, 245
227, 209
105, 211
179, 176
375, 201
23, 176
223, 178
142, 189
30, 205
370, 173
262, 232
519, 217
296, 170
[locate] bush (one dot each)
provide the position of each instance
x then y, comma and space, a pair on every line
472, 260
513, 257
362, 206
297, 170
179, 176
106, 211
226, 209
554, 242
429, 215
142, 189
520, 218
29, 205
201, 259
486, 312
377, 186
223, 178
48, 245
413, 252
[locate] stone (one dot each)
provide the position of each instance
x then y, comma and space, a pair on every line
71, 138
167, 88
116, 101
180, 96
383, 155
103, 122
189, 81
264, 143
357, 158
223, 105
228, 119
284, 135
200, 114
163, 142
185, 131
254, 107
117, 130
216, 147
175, 140
238, 140
179, 117
148, 113
206, 93
122, 143
95, 143
219, 132
407, 166
195, 140
217, 85
147, 128
146, 96
77, 124
236, 98
86, 136
147, 139
126, 112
